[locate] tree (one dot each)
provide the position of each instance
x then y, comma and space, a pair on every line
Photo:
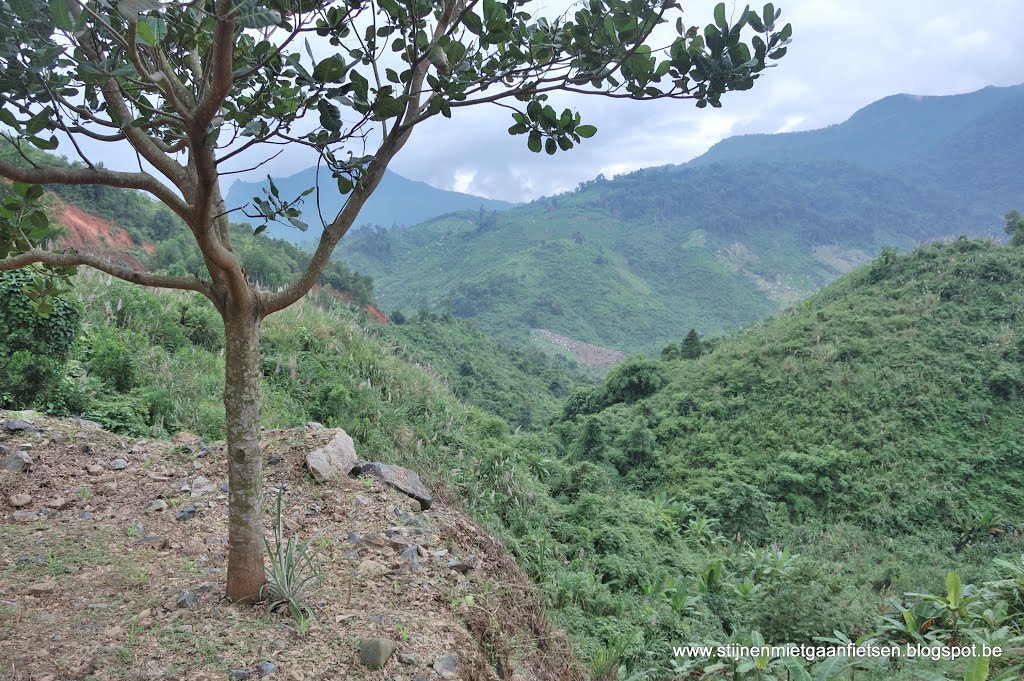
194, 89
690, 348
1015, 228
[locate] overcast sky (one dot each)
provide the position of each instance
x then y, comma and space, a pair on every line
845, 54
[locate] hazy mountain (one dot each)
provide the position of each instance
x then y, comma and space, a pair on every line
397, 201
756, 223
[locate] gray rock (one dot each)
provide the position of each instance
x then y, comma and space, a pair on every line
216, 541
95, 469
59, 503
224, 487
19, 500
91, 425
266, 668
187, 599
20, 426
156, 505
336, 459
445, 666
19, 462
463, 565
313, 425
186, 513
25, 516
118, 464
402, 479
85, 515
409, 659
202, 485
237, 674
375, 652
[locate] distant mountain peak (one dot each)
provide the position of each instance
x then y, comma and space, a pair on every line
397, 201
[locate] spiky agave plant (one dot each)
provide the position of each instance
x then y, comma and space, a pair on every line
293, 572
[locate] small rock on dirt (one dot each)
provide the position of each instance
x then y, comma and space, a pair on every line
266, 668
375, 652
20, 426
237, 674
45, 587
445, 666
409, 659
186, 513
25, 516
402, 479
202, 485
19, 462
187, 599
59, 503
95, 469
19, 500
118, 464
156, 505
334, 460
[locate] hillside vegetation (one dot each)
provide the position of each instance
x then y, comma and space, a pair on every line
796, 481
756, 224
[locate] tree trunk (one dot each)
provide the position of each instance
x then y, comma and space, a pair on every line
245, 462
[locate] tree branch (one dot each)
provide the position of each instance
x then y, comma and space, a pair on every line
98, 176
75, 259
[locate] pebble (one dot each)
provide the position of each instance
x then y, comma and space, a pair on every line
202, 485
19, 500
95, 469
59, 503
266, 668
20, 462
156, 505
237, 674
410, 659
85, 515
186, 513
445, 666
375, 652
187, 599
118, 464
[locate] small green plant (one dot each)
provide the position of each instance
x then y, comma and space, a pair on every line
83, 493
54, 565
190, 566
293, 573
403, 632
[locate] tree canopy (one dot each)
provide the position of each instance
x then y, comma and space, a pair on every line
198, 90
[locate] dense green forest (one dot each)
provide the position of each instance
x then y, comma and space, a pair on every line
635, 261
797, 481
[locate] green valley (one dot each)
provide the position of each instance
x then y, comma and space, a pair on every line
633, 262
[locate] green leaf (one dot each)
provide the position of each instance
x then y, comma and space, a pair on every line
345, 185
330, 70
953, 589
585, 131
61, 15
534, 143
720, 16
330, 115
250, 14
796, 670
550, 146
23, 8
151, 30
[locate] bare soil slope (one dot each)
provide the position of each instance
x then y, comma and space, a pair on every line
113, 559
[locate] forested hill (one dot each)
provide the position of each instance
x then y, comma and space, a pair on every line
967, 146
397, 201
759, 222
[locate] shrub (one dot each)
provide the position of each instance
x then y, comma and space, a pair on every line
33, 348
116, 357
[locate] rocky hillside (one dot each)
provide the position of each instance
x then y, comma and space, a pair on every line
114, 559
